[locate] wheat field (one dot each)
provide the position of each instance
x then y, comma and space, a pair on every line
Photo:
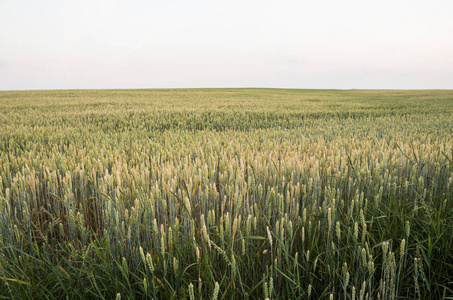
226, 194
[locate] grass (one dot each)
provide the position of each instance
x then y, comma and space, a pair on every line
226, 194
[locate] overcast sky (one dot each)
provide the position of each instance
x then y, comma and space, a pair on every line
55, 44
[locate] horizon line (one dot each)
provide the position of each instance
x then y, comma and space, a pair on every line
225, 88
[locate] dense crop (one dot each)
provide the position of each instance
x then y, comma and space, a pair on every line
230, 193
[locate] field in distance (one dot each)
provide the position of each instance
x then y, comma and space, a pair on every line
226, 194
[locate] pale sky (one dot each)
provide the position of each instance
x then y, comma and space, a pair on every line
56, 44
